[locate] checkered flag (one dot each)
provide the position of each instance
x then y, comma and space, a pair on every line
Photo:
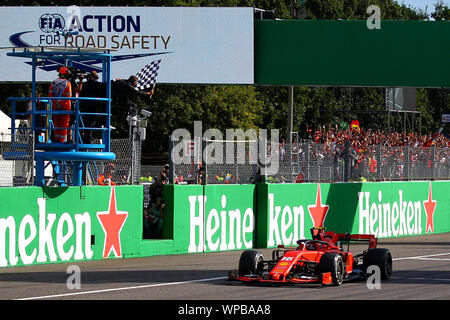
147, 76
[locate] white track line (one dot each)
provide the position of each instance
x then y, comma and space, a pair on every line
427, 257
191, 281
433, 259
121, 289
424, 257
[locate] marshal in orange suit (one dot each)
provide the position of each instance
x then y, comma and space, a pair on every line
61, 87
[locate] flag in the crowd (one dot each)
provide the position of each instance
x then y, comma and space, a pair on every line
343, 125
147, 76
354, 125
430, 141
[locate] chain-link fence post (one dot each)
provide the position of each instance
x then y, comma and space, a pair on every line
203, 172
432, 162
308, 163
407, 164
378, 158
136, 159
171, 167
346, 160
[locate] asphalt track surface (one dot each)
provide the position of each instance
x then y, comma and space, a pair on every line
421, 271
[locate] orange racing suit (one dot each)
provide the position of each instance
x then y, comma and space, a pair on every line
61, 88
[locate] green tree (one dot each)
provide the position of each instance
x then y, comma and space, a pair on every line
357, 10
219, 107
441, 11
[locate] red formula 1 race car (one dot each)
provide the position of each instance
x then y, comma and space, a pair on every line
320, 260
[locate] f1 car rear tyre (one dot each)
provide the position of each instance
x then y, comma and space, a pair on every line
380, 257
250, 263
332, 262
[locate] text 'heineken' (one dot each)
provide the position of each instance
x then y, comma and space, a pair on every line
49, 245
389, 219
291, 227
219, 229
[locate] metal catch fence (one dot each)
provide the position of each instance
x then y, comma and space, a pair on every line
20, 171
17, 172
240, 162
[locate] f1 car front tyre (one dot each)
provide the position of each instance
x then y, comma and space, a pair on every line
380, 257
250, 263
332, 262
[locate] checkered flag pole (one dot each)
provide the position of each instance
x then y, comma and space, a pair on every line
147, 76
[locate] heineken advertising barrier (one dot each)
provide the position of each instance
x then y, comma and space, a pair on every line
386, 210
206, 219
52, 224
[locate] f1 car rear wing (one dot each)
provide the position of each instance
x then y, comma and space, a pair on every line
346, 237
318, 233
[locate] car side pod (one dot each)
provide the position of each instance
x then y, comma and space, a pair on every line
326, 278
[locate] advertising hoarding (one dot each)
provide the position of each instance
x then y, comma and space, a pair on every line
54, 225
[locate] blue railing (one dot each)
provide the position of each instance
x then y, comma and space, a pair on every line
46, 143
78, 152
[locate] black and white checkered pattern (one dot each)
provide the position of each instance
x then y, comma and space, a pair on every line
147, 76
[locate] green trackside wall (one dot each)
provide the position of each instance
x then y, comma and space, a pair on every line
206, 219
236, 217
52, 225
347, 53
286, 212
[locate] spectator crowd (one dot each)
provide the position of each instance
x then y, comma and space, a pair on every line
360, 138
337, 154
375, 154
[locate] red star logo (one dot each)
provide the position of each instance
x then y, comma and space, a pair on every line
318, 212
112, 222
430, 206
